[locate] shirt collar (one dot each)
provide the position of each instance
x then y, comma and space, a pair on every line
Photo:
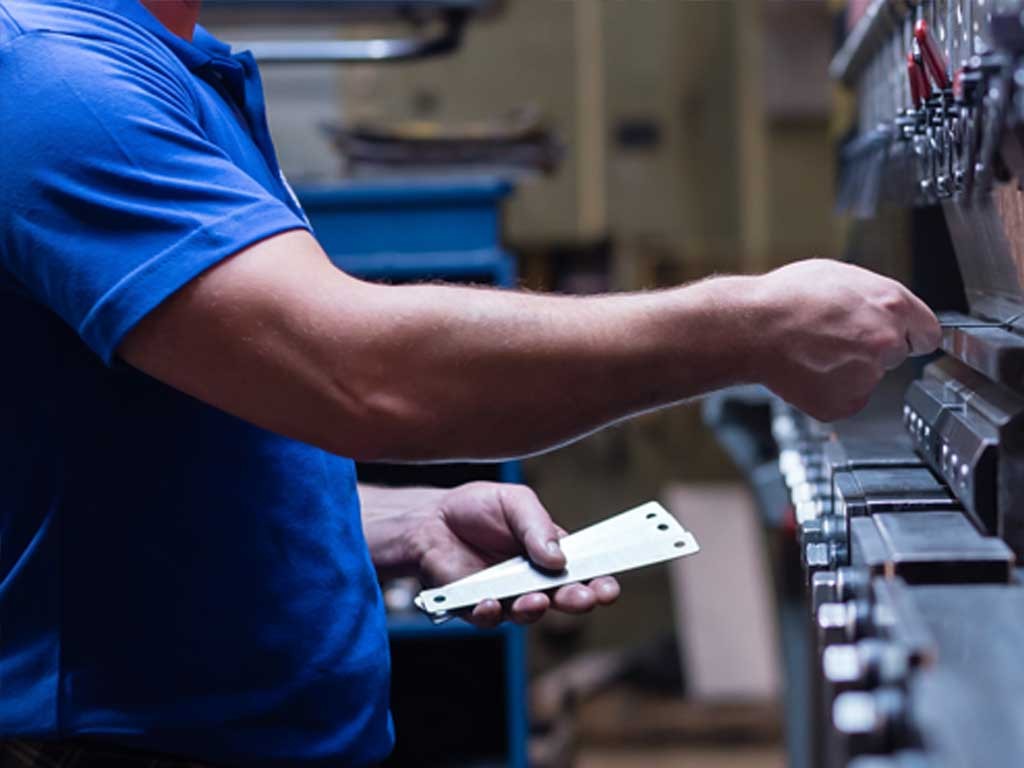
203, 50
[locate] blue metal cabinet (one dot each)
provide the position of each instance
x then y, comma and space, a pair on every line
437, 228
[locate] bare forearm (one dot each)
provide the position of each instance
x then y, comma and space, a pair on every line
481, 374
279, 337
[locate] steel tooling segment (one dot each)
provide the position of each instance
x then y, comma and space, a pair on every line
978, 681
975, 440
988, 238
941, 547
864, 492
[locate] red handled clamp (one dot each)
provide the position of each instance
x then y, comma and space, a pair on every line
920, 89
934, 63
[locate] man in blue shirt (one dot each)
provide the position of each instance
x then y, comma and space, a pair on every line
185, 564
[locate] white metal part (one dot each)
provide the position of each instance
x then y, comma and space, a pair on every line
641, 536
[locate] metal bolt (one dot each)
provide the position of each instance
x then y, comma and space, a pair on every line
831, 618
866, 664
859, 619
833, 528
852, 583
823, 589
818, 555
807, 491
810, 530
870, 722
808, 510
855, 712
842, 665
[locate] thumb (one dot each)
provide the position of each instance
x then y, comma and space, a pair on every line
533, 527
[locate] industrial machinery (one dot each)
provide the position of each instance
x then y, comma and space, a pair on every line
910, 518
437, 28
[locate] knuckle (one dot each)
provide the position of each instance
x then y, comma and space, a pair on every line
894, 299
475, 486
520, 503
515, 489
524, 490
510, 493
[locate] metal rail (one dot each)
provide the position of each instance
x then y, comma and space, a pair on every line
438, 27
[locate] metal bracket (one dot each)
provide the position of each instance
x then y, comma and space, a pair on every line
636, 538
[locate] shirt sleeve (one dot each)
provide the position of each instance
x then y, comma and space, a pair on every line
111, 196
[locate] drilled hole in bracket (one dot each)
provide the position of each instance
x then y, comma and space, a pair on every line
663, 527
439, 598
680, 544
651, 515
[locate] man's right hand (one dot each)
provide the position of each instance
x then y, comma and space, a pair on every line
827, 332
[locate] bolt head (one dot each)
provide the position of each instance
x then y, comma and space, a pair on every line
823, 588
817, 555
841, 664
831, 618
854, 713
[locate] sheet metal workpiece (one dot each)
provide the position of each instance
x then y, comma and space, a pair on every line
641, 536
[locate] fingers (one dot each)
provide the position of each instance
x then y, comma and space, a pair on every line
526, 609
923, 330
893, 349
606, 588
532, 525
580, 598
486, 615
574, 598
912, 328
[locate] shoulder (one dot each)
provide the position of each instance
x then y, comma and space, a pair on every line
74, 105
59, 48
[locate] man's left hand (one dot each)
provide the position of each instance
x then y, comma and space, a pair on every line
479, 524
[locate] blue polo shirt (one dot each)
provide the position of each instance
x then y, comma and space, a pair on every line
171, 578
